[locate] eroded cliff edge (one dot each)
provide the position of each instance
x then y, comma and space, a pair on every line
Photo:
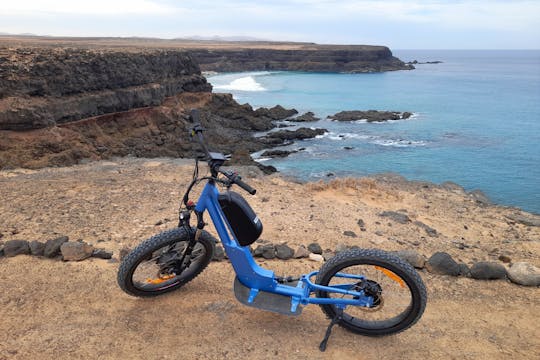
42, 87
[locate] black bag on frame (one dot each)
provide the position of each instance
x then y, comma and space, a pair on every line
245, 224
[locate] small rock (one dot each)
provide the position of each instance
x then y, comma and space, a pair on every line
377, 241
52, 247
102, 254
429, 230
16, 247
361, 224
350, 233
301, 252
327, 255
505, 258
123, 253
315, 248
159, 222
219, 253
379, 233
396, 216
523, 273
341, 247
464, 270
488, 271
268, 251
412, 257
76, 251
316, 257
442, 263
348, 147
37, 248
284, 252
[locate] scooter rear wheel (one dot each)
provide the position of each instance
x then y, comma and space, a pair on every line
398, 291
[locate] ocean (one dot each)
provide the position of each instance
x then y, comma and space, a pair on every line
476, 120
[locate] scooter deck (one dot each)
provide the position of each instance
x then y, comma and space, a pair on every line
265, 300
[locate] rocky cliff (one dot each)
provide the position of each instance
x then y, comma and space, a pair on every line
40, 87
319, 58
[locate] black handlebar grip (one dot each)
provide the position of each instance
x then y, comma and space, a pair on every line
245, 186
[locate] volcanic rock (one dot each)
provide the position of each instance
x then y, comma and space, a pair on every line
16, 247
52, 247
301, 252
442, 263
315, 248
299, 134
307, 117
488, 271
102, 254
37, 248
277, 112
370, 115
284, 252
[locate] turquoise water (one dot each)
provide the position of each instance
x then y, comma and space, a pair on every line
476, 120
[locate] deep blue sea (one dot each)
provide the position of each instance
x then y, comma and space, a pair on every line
476, 120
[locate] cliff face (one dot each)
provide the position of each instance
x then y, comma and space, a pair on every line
40, 87
143, 132
319, 58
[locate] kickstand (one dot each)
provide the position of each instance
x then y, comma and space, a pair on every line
335, 320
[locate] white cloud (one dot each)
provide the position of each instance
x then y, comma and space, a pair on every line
86, 7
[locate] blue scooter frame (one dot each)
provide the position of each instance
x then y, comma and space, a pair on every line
258, 279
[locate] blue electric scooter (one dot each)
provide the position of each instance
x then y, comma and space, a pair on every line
366, 291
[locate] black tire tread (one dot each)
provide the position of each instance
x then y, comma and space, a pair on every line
157, 241
376, 255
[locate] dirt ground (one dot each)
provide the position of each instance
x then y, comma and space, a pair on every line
51, 309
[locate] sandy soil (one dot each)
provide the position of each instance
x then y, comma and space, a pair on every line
57, 310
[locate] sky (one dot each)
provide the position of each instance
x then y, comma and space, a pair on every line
413, 24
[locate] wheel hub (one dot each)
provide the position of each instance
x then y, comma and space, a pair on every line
373, 289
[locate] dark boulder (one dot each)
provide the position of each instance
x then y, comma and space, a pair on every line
52, 247
315, 248
37, 248
488, 271
102, 254
284, 252
370, 115
307, 117
350, 233
16, 247
277, 153
278, 112
299, 134
442, 263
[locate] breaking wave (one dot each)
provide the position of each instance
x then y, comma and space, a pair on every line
247, 83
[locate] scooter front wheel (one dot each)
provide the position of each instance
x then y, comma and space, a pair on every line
152, 268
398, 293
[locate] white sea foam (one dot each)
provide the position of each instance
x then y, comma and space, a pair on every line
399, 142
247, 83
